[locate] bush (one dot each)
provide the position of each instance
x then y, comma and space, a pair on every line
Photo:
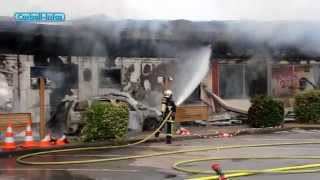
265, 112
307, 106
105, 121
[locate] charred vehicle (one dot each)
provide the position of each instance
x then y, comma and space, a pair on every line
69, 117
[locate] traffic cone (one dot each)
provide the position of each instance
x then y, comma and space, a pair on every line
62, 141
46, 141
28, 139
9, 143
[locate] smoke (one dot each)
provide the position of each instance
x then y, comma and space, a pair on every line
178, 9
98, 12
191, 69
6, 95
244, 37
56, 78
4, 88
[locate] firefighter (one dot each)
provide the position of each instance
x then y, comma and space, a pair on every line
168, 105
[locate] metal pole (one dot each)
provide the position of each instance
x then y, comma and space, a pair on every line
42, 107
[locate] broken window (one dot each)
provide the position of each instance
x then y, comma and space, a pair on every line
231, 81
256, 79
110, 77
87, 75
243, 80
57, 75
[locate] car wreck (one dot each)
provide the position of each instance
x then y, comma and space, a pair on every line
69, 117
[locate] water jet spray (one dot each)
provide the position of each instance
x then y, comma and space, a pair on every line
190, 73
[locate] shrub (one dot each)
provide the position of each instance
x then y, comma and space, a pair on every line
265, 112
105, 120
307, 106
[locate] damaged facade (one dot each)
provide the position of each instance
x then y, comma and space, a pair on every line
235, 81
236, 70
62, 74
77, 78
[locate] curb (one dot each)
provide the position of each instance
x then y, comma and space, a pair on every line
249, 131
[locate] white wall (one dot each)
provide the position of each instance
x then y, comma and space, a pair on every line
29, 98
94, 64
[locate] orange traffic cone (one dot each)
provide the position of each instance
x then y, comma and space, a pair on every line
46, 141
9, 143
28, 139
62, 141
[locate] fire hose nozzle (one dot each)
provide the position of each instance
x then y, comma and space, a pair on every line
218, 170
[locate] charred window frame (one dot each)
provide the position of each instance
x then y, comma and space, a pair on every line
231, 81
110, 78
69, 73
256, 79
242, 80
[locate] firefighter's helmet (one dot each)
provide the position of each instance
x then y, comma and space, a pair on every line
168, 93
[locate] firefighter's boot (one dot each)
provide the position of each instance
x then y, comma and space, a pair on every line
157, 134
169, 140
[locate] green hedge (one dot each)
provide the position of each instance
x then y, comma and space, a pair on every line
105, 121
307, 106
265, 112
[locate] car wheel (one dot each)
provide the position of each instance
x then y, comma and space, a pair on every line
150, 124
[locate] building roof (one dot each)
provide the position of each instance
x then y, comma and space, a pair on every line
229, 39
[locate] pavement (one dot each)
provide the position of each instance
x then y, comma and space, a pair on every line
156, 168
196, 133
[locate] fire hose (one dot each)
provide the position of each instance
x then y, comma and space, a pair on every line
22, 161
307, 168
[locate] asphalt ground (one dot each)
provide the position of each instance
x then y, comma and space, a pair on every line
156, 168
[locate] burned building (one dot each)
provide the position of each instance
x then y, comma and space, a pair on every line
237, 81
86, 59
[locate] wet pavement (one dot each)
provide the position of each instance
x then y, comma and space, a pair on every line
157, 168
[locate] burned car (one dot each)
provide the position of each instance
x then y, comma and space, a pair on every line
69, 117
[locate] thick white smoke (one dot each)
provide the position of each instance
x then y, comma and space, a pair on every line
306, 10
5, 91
